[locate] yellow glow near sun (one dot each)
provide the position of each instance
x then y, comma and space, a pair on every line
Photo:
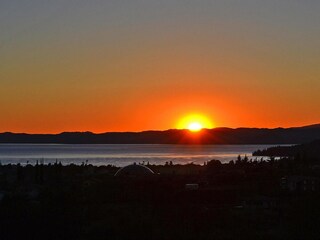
194, 122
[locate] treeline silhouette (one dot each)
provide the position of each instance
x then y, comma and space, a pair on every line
310, 151
246, 198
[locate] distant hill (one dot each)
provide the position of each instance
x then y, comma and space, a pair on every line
307, 150
206, 136
312, 126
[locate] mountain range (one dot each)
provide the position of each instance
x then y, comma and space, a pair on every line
294, 135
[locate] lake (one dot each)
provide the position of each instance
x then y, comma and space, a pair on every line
122, 154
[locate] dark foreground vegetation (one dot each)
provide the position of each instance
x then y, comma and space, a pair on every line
245, 199
307, 151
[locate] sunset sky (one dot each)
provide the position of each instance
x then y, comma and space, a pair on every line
138, 65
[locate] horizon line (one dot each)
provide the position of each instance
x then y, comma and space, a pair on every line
170, 129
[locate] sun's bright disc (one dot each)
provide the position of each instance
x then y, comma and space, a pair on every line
195, 127
194, 122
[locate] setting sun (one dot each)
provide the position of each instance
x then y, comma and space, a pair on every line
194, 122
194, 126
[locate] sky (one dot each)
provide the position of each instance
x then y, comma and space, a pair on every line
131, 65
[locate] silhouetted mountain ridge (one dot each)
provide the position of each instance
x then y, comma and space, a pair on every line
220, 135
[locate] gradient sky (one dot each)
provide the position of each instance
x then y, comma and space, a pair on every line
136, 65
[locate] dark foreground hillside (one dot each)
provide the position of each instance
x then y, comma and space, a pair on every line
305, 152
245, 199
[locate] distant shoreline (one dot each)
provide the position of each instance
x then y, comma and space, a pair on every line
121, 155
219, 136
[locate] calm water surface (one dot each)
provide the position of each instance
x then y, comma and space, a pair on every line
121, 154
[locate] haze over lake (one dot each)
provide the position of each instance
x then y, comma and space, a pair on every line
122, 154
